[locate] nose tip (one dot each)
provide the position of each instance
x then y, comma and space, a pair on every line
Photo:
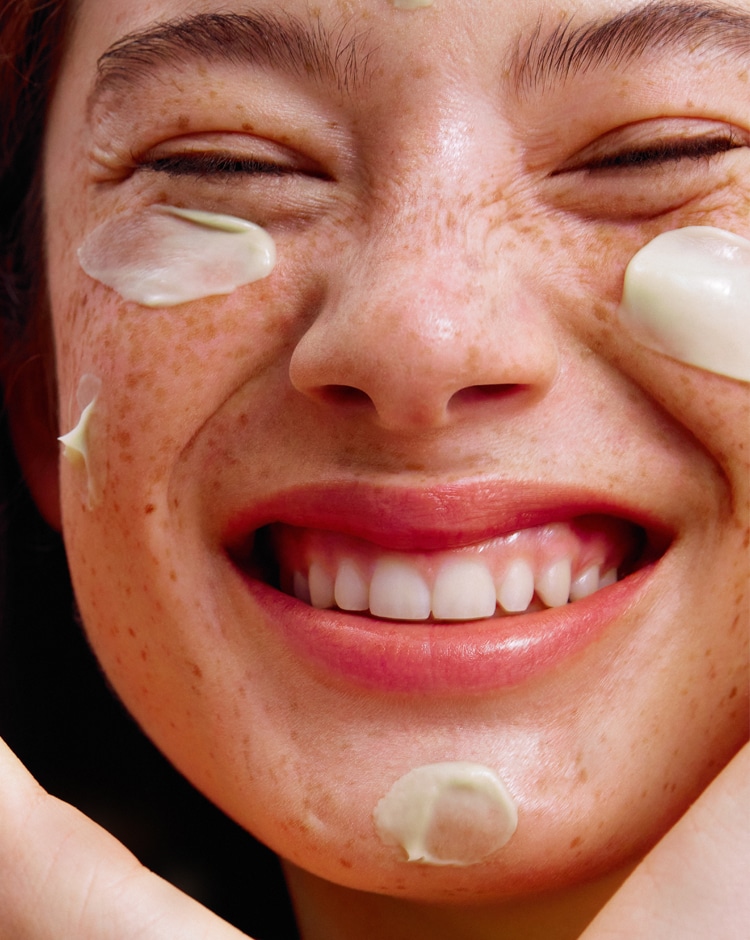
418, 350
406, 382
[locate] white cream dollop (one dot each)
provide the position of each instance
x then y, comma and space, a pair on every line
163, 256
451, 813
76, 441
687, 295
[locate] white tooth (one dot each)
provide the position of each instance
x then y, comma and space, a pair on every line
553, 584
321, 587
350, 591
515, 591
398, 591
463, 590
301, 588
609, 577
587, 582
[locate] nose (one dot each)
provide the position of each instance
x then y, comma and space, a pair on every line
415, 340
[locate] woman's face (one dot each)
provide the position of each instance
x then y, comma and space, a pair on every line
433, 373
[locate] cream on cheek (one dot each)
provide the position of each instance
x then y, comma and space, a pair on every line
76, 442
411, 4
687, 295
163, 256
453, 813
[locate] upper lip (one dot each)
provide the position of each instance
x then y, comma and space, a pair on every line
431, 518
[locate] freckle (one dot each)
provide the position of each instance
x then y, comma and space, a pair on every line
149, 508
732, 693
131, 631
144, 655
575, 842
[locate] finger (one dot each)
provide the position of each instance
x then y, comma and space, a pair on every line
61, 875
693, 885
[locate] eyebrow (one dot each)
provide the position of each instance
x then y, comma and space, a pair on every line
279, 40
654, 27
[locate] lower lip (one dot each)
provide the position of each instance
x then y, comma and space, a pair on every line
475, 656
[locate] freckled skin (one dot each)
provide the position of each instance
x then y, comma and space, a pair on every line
361, 357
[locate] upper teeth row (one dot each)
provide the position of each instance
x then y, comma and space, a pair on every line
463, 589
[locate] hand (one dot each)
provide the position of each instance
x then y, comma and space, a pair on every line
694, 883
63, 876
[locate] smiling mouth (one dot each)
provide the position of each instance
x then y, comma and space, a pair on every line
528, 570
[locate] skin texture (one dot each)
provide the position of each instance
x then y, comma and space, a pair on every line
476, 341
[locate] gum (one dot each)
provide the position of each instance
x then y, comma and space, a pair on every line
589, 541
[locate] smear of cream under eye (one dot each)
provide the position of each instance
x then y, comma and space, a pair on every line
76, 442
163, 256
687, 295
451, 813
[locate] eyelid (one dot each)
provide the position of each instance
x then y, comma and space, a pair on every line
667, 139
221, 150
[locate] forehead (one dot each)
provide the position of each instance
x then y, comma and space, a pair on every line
528, 41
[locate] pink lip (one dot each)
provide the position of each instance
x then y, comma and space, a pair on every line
474, 656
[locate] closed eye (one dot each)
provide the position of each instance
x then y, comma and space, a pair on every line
215, 164
657, 154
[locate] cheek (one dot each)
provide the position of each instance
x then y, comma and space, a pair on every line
697, 404
163, 376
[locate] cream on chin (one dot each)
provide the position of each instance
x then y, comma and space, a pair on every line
687, 295
163, 256
452, 813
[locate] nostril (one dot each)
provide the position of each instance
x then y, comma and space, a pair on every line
344, 395
480, 393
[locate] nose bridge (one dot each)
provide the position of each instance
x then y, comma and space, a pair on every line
426, 312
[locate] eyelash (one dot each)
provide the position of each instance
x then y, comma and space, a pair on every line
660, 153
213, 165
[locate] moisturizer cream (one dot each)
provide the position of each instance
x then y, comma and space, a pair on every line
411, 4
163, 256
76, 442
453, 813
687, 295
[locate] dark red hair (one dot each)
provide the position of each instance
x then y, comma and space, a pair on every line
31, 42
